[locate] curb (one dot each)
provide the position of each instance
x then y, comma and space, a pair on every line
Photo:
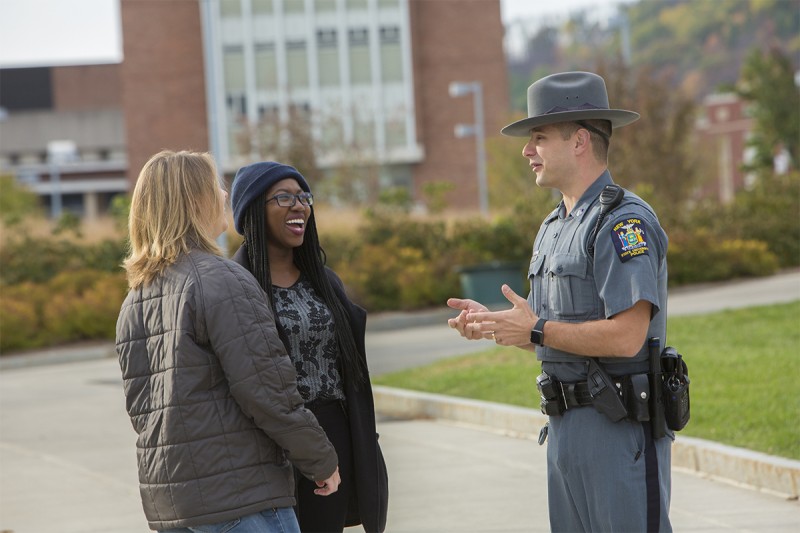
58, 355
755, 470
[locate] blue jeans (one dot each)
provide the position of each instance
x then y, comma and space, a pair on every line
280, 520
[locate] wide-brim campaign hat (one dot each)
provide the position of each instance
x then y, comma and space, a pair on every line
568, 97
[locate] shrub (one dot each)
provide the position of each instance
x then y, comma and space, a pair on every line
19, 323
35, 259
703, 256
85, 305
72, 306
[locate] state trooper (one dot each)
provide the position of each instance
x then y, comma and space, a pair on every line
598, 297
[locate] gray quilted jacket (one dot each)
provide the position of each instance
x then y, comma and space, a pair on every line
212, 395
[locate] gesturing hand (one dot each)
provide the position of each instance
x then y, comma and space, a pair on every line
511, 327
459, 323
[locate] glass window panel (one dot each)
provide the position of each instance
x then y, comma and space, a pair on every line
294, 6
360, 68
360, 71
365, 134
395, 133
356, 4
233, 65
332, 133
266, 67
297, 64
324, 5
328, 67
391, 63
230, 8
261, 7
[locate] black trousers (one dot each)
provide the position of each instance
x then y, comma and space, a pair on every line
327, 514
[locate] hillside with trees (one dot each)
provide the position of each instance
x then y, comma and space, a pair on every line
700, 46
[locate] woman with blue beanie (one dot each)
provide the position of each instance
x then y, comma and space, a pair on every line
323, 332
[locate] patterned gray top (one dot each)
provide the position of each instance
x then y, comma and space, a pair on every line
310, 328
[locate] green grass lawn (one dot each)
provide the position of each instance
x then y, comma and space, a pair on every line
744, 367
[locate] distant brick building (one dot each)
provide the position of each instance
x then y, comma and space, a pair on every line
62, 134
725, 127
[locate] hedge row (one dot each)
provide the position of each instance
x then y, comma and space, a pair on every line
53, 290
72, 306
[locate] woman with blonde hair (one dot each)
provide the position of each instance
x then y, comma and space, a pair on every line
209, 387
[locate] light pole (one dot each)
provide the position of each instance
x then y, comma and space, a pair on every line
58, 153
463, 88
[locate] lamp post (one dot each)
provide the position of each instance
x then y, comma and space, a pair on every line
462, 88
58, 153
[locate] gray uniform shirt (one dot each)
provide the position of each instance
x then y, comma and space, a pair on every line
568, 285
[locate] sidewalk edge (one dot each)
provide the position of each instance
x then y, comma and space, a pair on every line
752, 469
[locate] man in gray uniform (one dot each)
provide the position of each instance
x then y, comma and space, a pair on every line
598, 293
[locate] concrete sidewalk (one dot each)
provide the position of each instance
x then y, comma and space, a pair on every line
68, 465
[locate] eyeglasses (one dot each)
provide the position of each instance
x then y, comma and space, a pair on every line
289, 200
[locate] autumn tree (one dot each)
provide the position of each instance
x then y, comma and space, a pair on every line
657, 156
767, 83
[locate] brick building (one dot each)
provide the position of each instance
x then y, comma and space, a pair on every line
371, 74
725, 126
62, 134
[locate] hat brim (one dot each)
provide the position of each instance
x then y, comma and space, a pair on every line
617, 117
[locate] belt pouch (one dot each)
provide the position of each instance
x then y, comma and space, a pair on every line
639, 397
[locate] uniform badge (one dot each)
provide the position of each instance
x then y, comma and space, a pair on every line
629, 238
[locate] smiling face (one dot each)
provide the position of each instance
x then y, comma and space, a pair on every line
286, 226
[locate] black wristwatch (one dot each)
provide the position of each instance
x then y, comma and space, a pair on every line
537, 333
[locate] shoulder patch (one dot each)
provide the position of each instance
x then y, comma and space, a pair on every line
629, 238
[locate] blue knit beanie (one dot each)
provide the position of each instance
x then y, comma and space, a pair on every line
251, 181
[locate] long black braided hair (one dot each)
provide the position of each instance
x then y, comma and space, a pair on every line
309, 257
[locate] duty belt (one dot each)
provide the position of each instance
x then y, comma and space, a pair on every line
558, 396
575, 394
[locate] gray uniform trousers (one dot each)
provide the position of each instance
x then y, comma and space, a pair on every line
607, 469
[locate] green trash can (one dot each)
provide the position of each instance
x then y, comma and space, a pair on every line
482, 282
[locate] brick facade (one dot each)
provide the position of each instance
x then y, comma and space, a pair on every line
456, 41
86, 87
163, 84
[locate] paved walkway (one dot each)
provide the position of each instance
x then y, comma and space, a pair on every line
67, 457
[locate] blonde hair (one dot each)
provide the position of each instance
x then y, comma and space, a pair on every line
174, 204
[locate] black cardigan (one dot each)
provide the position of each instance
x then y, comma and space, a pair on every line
370, 505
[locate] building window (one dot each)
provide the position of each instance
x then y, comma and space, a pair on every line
364, 134
321, 6
353, 5
391, 55
328, 53
230, 8
266, 66
294, 6
297, 64
395, 133
360, 66
237, 105
233, 65
263, 7
388, 4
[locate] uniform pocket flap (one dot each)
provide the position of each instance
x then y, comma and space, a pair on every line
569, 265
535, 268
